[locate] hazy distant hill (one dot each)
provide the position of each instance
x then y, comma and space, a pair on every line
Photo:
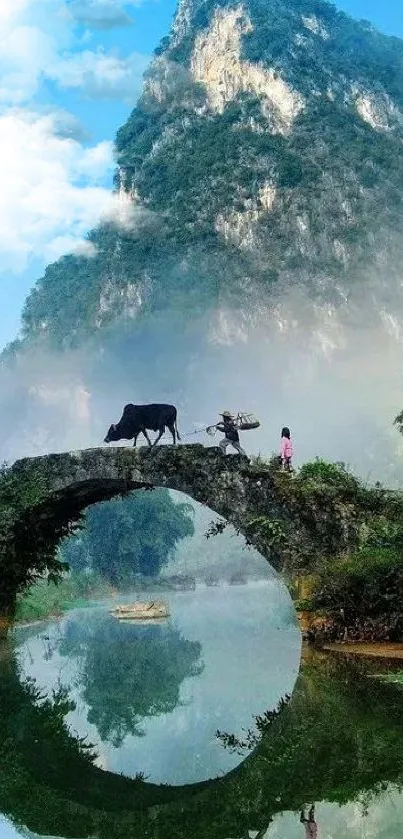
220, 557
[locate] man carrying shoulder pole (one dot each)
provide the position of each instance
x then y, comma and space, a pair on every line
231, 438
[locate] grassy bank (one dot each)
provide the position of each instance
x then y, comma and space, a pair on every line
358, 598
44, 600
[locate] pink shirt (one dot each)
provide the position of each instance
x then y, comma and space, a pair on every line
286, 447
311, 830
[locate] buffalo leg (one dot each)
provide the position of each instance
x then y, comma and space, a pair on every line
172, 430
159, 436
135, 439
144, 431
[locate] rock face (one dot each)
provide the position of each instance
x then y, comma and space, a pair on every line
264, 154
218, 65
259, 189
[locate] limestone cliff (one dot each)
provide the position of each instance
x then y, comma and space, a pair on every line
264, 154
260, 217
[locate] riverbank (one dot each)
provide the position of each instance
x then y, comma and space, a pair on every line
47, 600
367, 650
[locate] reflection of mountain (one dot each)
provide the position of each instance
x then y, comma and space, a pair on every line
143, 680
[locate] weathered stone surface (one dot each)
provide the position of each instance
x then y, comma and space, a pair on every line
228, 485
257, 499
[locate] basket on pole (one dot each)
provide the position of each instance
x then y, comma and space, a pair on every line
247, 422
243, 422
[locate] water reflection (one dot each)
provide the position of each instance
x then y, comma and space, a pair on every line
337, 743
128, 672
151, 698
309, 822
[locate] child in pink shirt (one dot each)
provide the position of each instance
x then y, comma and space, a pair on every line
286, 451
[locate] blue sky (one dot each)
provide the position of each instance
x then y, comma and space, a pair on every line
70, 72
386, 15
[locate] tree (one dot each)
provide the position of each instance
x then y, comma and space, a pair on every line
125, 537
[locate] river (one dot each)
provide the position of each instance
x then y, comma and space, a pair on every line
151, 698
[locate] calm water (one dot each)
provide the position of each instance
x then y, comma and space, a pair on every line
151, 698
337, 743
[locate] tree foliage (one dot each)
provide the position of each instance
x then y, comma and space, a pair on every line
20, 561
124, 538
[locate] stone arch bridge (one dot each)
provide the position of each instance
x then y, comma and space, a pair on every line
273, 510
285, 518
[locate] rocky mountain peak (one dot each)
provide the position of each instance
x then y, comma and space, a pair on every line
260, 198
264, 154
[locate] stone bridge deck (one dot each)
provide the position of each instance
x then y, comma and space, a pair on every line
228, 485
270, 508
92, 475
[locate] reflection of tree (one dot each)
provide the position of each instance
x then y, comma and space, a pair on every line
339, 737
130, 672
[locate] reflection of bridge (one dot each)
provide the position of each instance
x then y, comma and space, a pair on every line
340, 736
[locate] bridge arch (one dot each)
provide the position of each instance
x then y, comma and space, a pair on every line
282, 517
75, 480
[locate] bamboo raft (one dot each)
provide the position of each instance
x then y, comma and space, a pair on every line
153, 610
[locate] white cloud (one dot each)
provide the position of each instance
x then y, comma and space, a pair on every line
38, 41
101, 14
51, 189
101, 75
87, 249
53, 180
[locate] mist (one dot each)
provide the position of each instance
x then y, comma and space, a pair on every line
333, 378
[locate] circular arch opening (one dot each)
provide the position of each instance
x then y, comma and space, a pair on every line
158, 698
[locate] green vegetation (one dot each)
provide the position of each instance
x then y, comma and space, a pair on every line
353, 555
364, 593
48, 599
24, 563
392, 678
354, 48
362, 589
126, 538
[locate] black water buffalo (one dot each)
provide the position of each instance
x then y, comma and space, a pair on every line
137, 419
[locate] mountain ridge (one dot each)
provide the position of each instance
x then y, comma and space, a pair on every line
312, 175
258, 221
